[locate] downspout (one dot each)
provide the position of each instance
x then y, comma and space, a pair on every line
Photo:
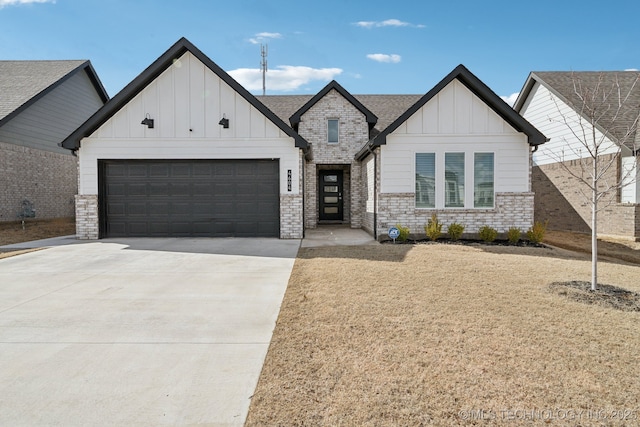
375, 195
304, 165
375, 192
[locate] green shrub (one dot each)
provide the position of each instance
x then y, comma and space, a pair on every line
404, 233
535, 234
433, 229
455, 231
488, 234
513, 235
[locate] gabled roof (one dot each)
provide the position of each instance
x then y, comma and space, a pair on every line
181, 47
386, 107
567, 84
482, 91
333, 85
22, 83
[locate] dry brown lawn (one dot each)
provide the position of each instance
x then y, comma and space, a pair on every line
446, 335
34, 229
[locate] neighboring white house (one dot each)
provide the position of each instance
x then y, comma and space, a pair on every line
41, 103
184, 150
549, 101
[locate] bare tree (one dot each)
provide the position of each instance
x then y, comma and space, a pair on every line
601, 135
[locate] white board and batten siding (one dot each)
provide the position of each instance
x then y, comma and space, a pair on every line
186, 102
554, 118
455, 120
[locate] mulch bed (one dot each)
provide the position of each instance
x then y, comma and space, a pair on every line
497, 242
606, 295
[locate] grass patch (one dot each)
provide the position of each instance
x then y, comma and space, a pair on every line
416, 335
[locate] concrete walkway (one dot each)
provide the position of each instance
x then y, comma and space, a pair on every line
138, 331
336, 235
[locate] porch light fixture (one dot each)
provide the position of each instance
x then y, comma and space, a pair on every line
148, 121
224, 122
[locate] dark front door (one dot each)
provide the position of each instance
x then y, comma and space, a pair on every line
331, 195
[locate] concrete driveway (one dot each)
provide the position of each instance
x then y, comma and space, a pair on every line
138, 331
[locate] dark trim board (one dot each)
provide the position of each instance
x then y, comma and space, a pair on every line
189, 198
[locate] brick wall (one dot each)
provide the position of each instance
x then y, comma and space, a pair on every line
48, 180
291, 226
87, 227
511, 210
353, 134
559, 199
291, 216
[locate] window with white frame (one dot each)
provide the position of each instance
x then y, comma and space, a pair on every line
425, 180
456, 182
332, 131
483, 180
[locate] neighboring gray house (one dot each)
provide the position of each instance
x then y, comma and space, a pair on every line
548, 100
41, 103
184, 150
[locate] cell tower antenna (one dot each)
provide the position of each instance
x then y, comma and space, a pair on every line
264, 50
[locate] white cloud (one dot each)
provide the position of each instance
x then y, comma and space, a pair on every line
283, 78
261, 37
631, 69
383, 57
511, 99
4, 3
387, 23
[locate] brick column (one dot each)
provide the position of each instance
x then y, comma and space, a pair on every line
87, 217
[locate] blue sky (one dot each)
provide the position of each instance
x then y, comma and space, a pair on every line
369, 47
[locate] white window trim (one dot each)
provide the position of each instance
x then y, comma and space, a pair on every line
469, 162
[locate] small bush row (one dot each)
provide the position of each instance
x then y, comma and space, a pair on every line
433, 230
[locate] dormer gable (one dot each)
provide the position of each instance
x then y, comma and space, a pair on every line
295, 119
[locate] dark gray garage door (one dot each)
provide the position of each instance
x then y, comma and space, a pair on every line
214, 198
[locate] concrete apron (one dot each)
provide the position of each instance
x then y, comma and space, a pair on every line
138, 331
336, 235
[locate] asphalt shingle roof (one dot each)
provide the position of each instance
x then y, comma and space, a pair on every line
568, 84
386, 107
20, 81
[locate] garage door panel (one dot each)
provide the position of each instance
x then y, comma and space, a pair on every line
116, 208
158, 228
180, 228
191, 198
158, 189
136, 209
137, 228
224, 169
159, 208
202, 189
140, 171
202, 169
119, 228
180, 189
116, 189
181, 170
159, 170
223, 188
